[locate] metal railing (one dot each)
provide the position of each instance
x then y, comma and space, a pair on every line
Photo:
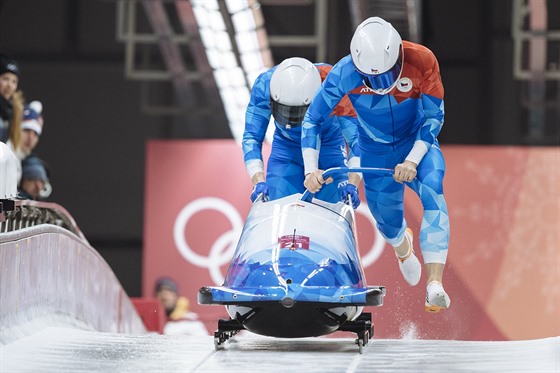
28, 213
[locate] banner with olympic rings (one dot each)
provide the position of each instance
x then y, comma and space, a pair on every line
197, 199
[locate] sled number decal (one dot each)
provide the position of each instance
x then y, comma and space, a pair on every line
293, 242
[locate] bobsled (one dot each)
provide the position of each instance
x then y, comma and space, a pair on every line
296, 272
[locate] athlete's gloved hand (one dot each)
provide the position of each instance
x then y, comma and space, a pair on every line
260, 188
352, 191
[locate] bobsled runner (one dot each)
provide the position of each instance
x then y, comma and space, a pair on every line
296, 272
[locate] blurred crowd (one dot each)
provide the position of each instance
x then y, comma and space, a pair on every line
21, 126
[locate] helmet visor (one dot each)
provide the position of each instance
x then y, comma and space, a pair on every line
385, 80
286, 115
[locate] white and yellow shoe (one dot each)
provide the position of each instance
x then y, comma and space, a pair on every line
436, 297
409, 265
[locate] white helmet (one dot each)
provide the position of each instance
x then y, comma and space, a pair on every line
293, 85
376, 50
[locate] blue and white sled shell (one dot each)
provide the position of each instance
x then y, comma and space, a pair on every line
294, 251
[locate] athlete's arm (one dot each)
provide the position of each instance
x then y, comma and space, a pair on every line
348, 122
432, 102
323, 104
257, 118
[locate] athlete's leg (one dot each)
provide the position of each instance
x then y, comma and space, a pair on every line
385, 198
284, 175
428, 185
434, 231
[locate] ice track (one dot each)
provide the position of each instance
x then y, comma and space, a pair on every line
75, 350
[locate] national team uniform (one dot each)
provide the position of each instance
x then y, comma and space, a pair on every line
285, 168
389, 126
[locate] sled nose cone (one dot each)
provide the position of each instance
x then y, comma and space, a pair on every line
288, 302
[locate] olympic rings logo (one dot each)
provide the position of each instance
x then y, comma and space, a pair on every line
223, 248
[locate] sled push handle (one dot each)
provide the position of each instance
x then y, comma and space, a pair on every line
308, 196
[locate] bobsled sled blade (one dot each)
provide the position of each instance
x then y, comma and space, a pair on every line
204, 295
362, 326
226, 330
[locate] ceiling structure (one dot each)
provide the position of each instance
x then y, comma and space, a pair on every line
164, 44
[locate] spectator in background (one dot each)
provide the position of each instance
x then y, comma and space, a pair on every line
32, 127
179, 319
34, 182
11, 102
167, 293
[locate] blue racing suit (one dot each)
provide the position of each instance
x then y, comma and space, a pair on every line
401, 125
285, 169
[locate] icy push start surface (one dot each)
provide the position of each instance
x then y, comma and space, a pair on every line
71, 350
